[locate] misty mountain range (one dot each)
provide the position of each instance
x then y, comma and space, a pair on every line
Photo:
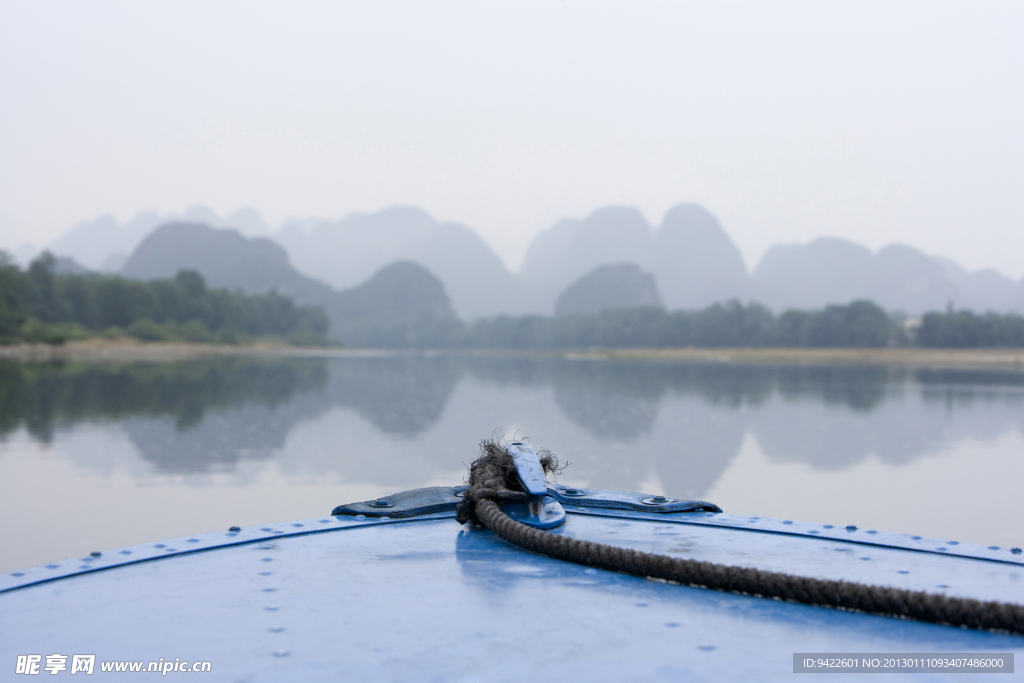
226, 259
104, 244
689, 259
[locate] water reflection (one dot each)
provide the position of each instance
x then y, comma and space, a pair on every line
45, 396
402, 420
609, 400
183, 416
145, 451
403, 395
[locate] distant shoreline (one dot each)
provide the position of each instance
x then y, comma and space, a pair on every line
130, 350
997, 359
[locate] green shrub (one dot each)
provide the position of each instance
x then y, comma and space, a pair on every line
196, 331
35, 331
12, 297
147, 330
227, 335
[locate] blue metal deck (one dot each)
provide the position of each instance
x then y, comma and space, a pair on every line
423, 598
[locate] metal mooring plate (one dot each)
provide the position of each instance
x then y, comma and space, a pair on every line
426, 501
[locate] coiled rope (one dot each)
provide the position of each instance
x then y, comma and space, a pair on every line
492, 480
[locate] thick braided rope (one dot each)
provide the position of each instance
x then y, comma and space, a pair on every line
488, 484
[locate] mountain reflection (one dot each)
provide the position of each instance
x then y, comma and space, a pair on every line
187, 416
608, 399
402, 395
402, 420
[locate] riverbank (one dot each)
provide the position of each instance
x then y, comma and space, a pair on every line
129, 350
996, 359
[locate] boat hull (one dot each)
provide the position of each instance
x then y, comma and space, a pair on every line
424, 598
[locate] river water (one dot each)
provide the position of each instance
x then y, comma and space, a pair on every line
95, 456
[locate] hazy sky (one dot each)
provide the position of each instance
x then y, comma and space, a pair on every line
881, 122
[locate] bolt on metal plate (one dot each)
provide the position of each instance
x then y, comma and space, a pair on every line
658, 500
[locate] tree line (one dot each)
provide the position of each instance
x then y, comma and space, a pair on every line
964, 329
41, 305
860, 324
731, 324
